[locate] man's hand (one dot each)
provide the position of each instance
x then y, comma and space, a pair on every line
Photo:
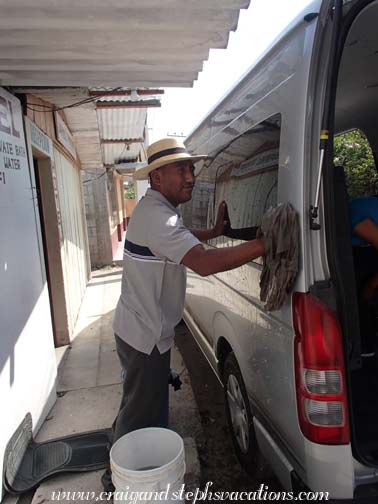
220, 223
218, 229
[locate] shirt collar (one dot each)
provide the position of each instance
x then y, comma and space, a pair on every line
156, 195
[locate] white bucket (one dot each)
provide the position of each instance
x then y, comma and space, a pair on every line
148, 465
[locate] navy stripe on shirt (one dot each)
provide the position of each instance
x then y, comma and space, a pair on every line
138, 249
142, 253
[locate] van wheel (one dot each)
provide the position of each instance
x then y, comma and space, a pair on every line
240, 420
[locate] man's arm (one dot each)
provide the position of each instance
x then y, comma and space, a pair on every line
368, 231
204, 234
206, 262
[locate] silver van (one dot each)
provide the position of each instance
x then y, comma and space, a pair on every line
300, 398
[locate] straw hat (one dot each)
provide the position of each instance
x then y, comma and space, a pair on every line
163, 152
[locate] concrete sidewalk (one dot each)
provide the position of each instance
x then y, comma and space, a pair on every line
89, 388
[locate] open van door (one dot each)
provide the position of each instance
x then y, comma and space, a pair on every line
350, 102
339, 293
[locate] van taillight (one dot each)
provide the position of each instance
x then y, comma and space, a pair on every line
319, 372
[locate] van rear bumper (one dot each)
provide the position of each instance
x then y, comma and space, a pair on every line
329, 468
298, 486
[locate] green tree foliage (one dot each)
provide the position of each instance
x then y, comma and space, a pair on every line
352, 150
130, 191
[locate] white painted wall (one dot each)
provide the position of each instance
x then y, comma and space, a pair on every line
75, 257
27, 358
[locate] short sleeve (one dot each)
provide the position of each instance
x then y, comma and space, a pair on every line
167, 236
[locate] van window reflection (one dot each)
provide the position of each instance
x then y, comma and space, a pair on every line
249, 189
245, 175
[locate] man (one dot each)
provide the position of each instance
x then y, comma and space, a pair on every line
363, 217
158, 248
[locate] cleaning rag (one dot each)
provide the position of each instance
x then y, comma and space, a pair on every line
280, 230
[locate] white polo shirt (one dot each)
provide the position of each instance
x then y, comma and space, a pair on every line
153, 281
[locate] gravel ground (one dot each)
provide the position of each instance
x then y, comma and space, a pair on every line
218, 460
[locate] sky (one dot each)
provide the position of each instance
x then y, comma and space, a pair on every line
183, 108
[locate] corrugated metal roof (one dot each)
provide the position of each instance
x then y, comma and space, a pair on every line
130, 96
82, 122
113, 43
128, 169
116, 153
128, 101
121, 123
90, 126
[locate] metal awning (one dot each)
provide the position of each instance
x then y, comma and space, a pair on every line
66, 52
114, 43
109, 128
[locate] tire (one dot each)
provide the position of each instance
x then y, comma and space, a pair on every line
240, 420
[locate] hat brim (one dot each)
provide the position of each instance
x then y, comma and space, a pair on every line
143, 173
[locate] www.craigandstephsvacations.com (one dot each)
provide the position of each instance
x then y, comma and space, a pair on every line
180, 495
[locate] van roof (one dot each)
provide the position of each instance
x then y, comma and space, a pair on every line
224, 102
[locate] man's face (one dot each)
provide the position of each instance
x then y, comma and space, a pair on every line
175, 181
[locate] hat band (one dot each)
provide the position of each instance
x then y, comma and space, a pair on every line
167, 152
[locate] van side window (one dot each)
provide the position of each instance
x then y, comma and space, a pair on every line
194, 212
245, 175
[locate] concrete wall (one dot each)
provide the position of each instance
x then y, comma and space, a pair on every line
97, 215
111, 199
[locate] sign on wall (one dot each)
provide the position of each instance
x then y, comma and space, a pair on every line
39, 140
64, 135
13, 159
42, 146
